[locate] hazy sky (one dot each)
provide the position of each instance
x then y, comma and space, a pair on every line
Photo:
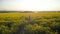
32, 5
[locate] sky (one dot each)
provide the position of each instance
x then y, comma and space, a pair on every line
30, 5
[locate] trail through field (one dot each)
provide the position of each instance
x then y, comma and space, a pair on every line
21, 27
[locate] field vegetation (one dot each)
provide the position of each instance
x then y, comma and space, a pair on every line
30, 23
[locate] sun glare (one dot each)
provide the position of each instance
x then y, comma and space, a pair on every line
30, 5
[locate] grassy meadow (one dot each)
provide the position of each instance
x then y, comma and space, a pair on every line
30, 23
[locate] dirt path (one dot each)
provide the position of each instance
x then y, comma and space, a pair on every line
21, 29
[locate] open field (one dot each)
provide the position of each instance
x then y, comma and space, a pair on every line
30, 23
